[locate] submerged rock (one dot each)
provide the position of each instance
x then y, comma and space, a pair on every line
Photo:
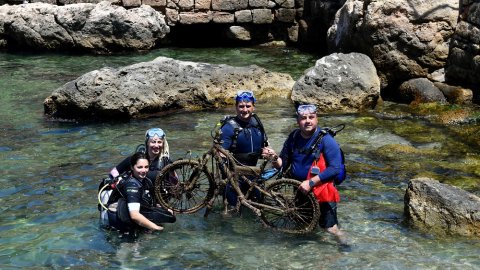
160, 86
436, 207
100, 28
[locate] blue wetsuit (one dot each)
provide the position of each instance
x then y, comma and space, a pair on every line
246, 148
249, 142
295, 154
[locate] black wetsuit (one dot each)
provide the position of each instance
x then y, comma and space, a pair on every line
137, 191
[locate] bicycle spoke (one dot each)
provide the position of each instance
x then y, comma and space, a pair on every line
185, 186
290, 210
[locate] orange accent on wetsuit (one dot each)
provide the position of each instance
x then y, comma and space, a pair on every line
326, 191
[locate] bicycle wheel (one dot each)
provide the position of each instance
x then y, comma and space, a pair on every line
290, 210
184, 186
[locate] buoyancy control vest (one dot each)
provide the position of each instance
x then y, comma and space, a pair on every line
242, 156
255, 122
314, 149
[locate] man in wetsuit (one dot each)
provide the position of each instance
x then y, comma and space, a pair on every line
298, 156
244, 136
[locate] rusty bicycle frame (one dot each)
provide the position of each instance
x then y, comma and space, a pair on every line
188, 185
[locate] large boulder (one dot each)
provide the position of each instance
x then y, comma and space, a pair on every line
436, 207
160, 86
99, 28
405, 39
339, 82
463, 66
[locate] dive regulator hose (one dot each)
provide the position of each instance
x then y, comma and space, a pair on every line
99, 199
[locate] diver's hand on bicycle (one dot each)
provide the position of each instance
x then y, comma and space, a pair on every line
222, 155
305, 186
269, 153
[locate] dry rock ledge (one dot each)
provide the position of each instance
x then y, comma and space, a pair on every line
405, 39
158, 87
339, 82
440, 208
101, 28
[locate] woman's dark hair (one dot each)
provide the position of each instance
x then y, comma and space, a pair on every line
134, 159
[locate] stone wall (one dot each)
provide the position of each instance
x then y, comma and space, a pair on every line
240, 19
221, 11
301, 22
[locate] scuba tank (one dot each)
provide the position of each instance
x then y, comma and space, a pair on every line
108, 189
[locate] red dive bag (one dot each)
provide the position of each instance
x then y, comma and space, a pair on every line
326, 191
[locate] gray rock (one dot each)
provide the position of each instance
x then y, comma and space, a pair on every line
285, 15
195, 17
339, 82
223, 17
239, 33
405, 39
262, 16
131, 3
293, 33
285, 3
420, 90
155, 3
203, 4
463, 66
99, 28
172, 16
158, 87
186, 5
437, 75
229, 5
440, 208
69, 2
243, 16
258, 3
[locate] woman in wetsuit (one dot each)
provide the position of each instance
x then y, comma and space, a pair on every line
157, 152
135, 202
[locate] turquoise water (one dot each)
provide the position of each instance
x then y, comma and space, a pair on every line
50, 173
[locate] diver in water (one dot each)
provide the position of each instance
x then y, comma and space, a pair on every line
244, 136
315, 159
157, 151
130, 204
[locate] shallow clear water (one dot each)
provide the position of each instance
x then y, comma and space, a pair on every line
50, 173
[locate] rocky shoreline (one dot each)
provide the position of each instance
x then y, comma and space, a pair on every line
161, 86
434, 41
